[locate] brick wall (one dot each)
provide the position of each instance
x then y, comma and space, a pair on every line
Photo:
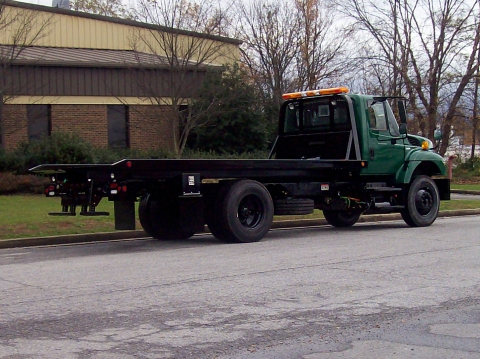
15, 126
88, 121
151, 127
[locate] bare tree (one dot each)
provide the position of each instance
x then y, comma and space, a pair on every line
183, 57
323, 56
432, 47
475, 114
112, 8
21, 29
270, 32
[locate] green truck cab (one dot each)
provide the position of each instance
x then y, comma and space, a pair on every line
398, 168
342, 153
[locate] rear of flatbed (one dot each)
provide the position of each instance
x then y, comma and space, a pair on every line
189, 189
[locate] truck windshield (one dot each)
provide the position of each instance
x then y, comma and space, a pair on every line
317, 115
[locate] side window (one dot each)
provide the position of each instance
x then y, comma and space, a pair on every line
376, 114
39, 121
117, 125
316, 116
341, 118
292, 118
382, 118
392, 122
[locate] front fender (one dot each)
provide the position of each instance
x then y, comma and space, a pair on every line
420, 162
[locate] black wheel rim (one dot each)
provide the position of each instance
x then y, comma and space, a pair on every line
423, 201
250, 211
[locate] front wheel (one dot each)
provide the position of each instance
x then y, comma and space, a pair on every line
422, 203
341, 218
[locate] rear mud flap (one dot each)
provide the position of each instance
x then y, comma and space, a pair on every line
124, 215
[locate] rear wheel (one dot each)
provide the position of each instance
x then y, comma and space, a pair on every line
143, 215
243, 212
341, 218
422, 203
159, 218
213, 218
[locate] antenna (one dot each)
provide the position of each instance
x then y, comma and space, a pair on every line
61, 4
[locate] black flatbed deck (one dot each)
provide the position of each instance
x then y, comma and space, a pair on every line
260, 169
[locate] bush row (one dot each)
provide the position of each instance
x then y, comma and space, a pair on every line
467, 169
71, 148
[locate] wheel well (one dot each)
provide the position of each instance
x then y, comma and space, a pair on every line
431, 169
427, 168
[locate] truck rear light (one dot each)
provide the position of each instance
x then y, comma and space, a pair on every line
50, 191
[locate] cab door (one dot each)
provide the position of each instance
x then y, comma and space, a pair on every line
386, 145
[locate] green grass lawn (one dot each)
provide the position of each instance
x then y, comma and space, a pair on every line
23, 216
470, 187
27, 216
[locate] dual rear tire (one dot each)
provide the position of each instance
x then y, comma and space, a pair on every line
242, 212
159, 219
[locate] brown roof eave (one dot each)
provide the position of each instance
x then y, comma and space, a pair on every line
202, 67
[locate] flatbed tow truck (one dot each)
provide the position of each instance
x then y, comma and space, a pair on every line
336, 151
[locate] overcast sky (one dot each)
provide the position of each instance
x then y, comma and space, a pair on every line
38, 2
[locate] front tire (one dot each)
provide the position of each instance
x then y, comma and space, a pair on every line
345, 218
422, 203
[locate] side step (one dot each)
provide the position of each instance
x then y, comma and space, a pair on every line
71, 211
90, 211
93, 214
66, 211
62, 214
384, 189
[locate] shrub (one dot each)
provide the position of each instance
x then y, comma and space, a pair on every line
106, 155
468, 169
71, 148
13, 184
58, 148
6, 161
197, 154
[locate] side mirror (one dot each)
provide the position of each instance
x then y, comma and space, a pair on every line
402, 112
403, 128
437, 134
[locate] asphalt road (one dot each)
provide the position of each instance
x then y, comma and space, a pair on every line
377, 290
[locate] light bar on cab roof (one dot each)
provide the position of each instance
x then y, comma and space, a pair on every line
310, 93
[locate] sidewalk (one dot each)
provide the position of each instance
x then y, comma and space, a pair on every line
122, 235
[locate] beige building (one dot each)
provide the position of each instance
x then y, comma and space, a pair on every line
108, 79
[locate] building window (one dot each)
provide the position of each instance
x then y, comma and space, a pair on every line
39, 121
117, 118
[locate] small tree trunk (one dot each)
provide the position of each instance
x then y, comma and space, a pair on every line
475, 110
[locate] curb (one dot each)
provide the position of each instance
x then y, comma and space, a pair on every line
464, 191
122, 235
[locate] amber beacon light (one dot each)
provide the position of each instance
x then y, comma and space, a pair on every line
310, 93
